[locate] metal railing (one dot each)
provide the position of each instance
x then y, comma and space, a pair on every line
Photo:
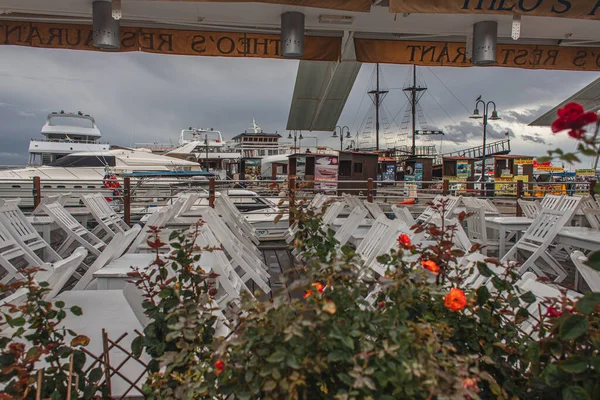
136, 197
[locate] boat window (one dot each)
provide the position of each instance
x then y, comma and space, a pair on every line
84, 161
47, 187
76, 187
91, 187
16, 186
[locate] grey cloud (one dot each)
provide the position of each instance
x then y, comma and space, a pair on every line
526, 116
535, 138
471, 131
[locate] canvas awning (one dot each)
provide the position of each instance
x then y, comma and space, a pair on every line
344, 5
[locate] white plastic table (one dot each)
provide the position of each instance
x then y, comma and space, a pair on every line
507, 227
579, 237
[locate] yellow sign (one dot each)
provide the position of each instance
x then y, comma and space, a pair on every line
165, 41
550, 169
582, 9
523, 161
507, 185
585, 172
453, 54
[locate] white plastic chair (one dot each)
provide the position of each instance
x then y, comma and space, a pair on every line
531, 209
404, 214
589, 275
344, 233
373, 209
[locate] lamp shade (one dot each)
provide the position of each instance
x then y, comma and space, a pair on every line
494, 116
476, 114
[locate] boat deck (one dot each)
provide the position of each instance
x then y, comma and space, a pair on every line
282, 269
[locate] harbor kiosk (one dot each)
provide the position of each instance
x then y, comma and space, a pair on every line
315, 171
356, 166
250, 168
460, 172
419, 170
508, 169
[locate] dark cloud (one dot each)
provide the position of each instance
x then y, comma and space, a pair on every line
525, 116
472, 131
534, 138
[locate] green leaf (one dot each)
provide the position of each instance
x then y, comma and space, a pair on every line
59, 304
543, 159
575, 393
76, 310
573, 327
574, 365
276, 357
20, 321
483, 295
553, 376
594, 258
587, 304
269, 386
337, 355
484, 269
137, 345
95, 374
597, 189
528, 297
348, 342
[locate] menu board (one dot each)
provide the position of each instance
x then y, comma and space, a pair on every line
506, 185
463, 170
326, 173
300, 167
252, 169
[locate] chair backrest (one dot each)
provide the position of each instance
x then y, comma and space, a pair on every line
156, 219
476, 226
373, 209
589, 275
349, 226
551, 201
404, 214
570, 204
63, 270
531, 209
60, 198
332, 212
543, 229
430, 211
381, 230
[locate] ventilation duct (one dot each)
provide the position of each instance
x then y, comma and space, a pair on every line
106, 29
485, 38
292, 35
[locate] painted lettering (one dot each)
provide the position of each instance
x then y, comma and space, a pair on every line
8, 31
467, 3
580, 58
426, 50
245, 43
256, 43
90, 39
165, 38
460, 52
551, 55
34, 32
536, 57
225, 45
128, 39
596, 7
565, 3
521, 55
524, 8
413, 50
277, 44
198, 42
501, 6
444, 53
598, 61
55, 33
69, 37
507, 53
146, 37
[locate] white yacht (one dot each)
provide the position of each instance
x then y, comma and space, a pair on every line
207, 148
65, 133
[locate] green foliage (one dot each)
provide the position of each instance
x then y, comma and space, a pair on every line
37, 339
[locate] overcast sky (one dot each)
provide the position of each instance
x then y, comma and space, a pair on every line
137, 97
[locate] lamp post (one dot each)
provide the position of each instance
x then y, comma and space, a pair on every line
493, 117
335, 135
296, 138
311, 137
206, 146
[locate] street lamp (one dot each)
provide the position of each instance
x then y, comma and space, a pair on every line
335, 135
493, 117
296, 138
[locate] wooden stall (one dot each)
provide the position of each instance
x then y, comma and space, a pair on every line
508, 169
314, 171
419, 170
356, 166
460, 172
250, 168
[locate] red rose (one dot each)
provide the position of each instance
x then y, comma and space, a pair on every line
573, 117
553, 312
219, 367
404, 240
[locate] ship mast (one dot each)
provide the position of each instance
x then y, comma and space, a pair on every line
377, 96
414, 98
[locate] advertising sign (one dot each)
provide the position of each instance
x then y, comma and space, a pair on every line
326, 173
300, 167
252, 169
585, 172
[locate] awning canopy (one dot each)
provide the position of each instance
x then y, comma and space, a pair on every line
345, 5
588, 97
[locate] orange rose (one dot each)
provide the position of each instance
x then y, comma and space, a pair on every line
404, 240
319, 286
469, 384
430, 265
308, 294
455, 300
219, 367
